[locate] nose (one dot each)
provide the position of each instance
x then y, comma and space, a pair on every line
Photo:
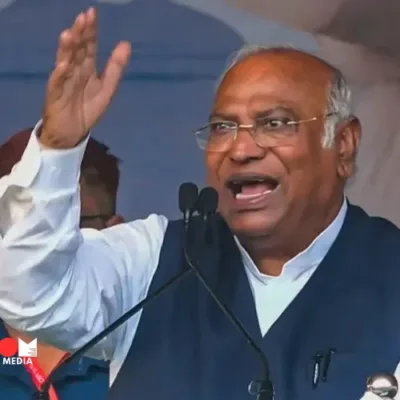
245, 149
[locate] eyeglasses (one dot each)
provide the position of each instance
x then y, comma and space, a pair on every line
218, 136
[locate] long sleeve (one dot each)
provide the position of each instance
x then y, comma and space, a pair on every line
61, 284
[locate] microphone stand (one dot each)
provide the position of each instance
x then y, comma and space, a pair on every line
263, 389
43, 394
188, 194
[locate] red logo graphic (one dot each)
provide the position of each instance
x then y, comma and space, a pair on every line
8, 347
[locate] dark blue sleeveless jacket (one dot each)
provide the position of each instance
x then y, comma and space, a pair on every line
185, 348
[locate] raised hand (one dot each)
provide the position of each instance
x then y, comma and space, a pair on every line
77, 95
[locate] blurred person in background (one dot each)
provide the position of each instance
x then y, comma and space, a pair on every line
98, 189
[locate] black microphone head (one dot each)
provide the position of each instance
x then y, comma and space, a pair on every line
188, 194
208, 201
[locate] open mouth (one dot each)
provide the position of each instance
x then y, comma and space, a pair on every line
248, 187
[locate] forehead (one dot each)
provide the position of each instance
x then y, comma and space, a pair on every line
264, 81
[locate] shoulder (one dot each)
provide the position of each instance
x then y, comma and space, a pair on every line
379, 237
374, 227
149, 231
152, 223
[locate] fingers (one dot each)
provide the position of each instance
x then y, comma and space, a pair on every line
79, 45
76, 42
73, 50
55, 86
65, 48
76, 59
68, 42
115, 67
65, 58
90, 38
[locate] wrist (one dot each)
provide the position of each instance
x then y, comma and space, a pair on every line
51, 141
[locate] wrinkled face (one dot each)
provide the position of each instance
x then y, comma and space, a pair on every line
265, 188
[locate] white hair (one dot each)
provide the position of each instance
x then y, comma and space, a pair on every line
339, 95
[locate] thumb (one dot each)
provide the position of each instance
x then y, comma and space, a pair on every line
114, 69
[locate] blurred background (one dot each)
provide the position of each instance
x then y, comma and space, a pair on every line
179, 50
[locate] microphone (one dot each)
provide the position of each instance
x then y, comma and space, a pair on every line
207, 202
188, 193
207, 206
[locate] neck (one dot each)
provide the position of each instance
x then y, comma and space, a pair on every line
271, 252
48, 357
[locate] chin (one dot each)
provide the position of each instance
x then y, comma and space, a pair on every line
252, 223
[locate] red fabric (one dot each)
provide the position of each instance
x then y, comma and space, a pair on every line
39, 377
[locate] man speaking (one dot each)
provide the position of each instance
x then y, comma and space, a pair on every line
313, 279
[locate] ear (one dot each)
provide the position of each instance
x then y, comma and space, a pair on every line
115, 220
348, 138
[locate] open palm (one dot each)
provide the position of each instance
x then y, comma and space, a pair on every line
77, 95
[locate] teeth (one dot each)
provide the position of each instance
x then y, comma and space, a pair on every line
241, 196
255, 180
